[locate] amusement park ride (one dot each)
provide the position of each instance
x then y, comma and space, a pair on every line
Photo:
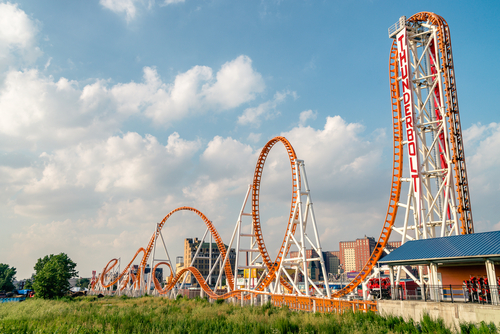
428, 165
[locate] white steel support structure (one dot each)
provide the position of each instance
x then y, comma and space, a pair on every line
252, 257
304, 218
430, 209
158, 236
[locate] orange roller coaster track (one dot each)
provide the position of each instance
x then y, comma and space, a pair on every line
273, 266
147, 252
457, 159
454, 133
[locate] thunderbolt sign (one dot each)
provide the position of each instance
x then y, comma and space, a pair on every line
411, 133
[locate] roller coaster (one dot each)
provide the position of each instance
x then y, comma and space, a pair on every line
426, 125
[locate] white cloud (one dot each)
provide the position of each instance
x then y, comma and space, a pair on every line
266, 110
40, 112
236, 83
169, 2
110, 193
17, 36
227, 170
192, 92
338, 147
305, 115
130, 7
482, 153
87, 246
484, 144
254, 137
222, 157
196, 91
127, 162
120, 167
127, 7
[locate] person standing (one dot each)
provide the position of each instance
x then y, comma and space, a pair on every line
473, 283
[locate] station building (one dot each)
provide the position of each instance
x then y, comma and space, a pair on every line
452, 260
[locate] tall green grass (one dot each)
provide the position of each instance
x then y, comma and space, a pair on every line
160, 315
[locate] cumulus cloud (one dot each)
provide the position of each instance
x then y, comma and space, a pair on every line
89, 247
17, 36
482, 152
227, 170
118, 188
192, 92
306, 115
197, 91
267, 110
39, 111
127, 7
254, 137
169, 2
128, 165
124, 162
339, 147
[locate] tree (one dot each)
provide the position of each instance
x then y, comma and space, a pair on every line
28, 284
7, 275
52, 276
83, 283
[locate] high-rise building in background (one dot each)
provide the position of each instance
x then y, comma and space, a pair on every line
332, 262
314, 267
354, 254
204, 262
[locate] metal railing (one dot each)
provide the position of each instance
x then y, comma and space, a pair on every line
396, 27
448, 293
323, 305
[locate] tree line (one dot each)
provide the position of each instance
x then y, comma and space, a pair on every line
51, 277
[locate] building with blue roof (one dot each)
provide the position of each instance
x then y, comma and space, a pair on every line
453, 259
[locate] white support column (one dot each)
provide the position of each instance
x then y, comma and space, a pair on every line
492, 281
310, 211
393, 288
435, 293
209, 277
304, 220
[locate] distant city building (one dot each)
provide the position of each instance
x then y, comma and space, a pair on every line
314, 267
203, 261
392, 245
355, 254
332, 262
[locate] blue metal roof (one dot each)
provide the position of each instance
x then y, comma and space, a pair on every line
474, 245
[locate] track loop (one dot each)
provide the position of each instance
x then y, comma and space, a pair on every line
273, 266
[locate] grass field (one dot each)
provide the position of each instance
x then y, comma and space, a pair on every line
160, 315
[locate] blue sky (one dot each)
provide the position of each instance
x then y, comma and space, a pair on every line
117, 111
